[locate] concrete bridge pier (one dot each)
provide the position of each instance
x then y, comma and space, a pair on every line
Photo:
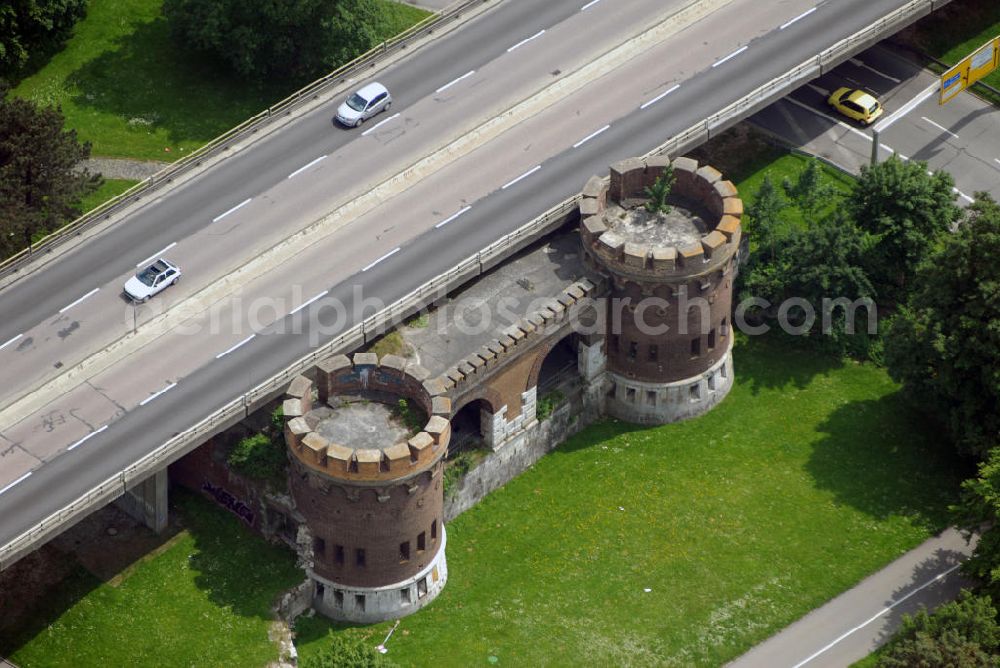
147, 501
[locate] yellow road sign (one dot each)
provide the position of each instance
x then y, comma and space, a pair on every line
971, 69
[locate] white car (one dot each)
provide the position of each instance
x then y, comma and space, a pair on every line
362, 105
152, 280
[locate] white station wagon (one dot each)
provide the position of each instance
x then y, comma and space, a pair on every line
152, 280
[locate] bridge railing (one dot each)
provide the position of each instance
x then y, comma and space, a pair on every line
439, 286
252, 125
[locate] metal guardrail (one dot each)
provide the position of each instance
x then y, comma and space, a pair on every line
451, 279
250, 126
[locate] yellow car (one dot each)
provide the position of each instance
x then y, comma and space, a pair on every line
856, 104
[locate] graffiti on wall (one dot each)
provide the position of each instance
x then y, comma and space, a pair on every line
224, 498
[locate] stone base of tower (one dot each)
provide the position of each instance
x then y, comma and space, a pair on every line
367, 605
659, 403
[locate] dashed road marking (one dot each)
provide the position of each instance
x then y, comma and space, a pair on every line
660, 96
940, 127
69, 306
589, 5
525, 41
453, 216
797, 18
455, 81
231, 349
307, 166
384, 257
522, 176
10, 341
858, 63
87, 437
156, 255
235, 208
730, 56
590, 136
378, 125
154, 396
308, 302
21, 479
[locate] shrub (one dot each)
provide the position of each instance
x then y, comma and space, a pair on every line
347, 652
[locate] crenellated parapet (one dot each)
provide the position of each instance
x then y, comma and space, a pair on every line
605, 205
364, 376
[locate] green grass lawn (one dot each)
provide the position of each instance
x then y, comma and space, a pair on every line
203, 601
808, 477
110, 188
126, 87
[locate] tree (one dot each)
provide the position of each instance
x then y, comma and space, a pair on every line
347, 652
660, 191
31, 29
765, 224
810, 192
819, 264
268, 39
262, 455
959, 634
944, 346
906, 210
40, 188
979, 510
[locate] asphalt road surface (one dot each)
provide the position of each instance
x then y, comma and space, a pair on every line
853, 625
961, 137
87, 421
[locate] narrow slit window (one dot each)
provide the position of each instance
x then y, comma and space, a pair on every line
404, 551
359, 557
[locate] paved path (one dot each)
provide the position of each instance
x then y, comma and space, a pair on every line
853, 625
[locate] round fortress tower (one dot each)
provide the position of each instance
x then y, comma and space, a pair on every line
669, 340
371, 493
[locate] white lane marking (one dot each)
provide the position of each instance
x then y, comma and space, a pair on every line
156, 255
525, 41
589, 5
590, 136
308, 302
940, 127
660, 96
835, 121
10, 341
87, 437
453, 216
153, 396
307, 166
996, 160
858, 63
522, 176
384, 257
229, 350
378, 125
238, 206
455, 81
884, 610
963, 195
822, 91
797, 18
69, 306
16, 481
730, 56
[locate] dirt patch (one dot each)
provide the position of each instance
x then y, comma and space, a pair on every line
736, 152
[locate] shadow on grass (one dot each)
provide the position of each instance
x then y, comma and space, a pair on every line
884, 459
772, 362
50, 606
151, 81
236, 568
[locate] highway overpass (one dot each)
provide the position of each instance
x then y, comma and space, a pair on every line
497, 122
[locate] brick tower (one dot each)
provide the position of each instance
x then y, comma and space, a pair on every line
669, 340
371, 493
